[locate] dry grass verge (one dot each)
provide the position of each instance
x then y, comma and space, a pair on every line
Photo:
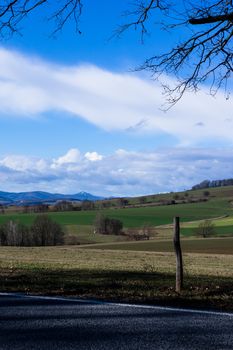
118, 275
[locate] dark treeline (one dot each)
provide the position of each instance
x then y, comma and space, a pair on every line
43, 232
213, 183
63, 205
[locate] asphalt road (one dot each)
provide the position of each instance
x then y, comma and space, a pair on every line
47, 323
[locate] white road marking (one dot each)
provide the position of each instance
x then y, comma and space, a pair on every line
138, 306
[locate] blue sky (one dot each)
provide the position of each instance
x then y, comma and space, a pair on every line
74, 117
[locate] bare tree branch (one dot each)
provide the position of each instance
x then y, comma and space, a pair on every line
206, 55
212, 19
13, 12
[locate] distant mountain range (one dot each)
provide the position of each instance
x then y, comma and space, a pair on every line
35, 197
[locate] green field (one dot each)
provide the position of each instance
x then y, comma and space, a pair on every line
222, 227
80, 223
136, 217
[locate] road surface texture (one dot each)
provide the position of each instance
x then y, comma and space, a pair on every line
57, 323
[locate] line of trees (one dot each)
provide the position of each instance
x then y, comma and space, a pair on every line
63, 205
214, 183
43, 232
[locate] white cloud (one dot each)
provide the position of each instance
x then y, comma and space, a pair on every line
112, 101
121, 173
15, 162
72, 156
93, 156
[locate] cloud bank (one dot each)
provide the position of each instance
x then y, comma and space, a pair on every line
121, 173
30, 87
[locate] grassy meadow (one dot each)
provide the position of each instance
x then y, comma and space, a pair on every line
109, 267
80, 223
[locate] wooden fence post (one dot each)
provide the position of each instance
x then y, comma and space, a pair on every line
179, 262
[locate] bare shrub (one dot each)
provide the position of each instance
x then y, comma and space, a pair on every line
46, 232
107, 226
15, 234
205, 229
